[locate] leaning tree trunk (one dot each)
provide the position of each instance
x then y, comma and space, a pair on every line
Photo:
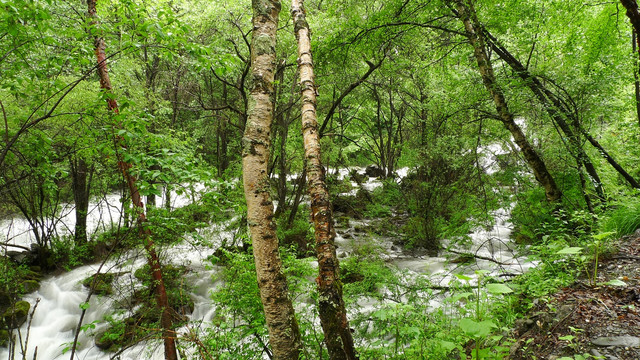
152, 257
533, 159
553, 108
333, 315
284, 334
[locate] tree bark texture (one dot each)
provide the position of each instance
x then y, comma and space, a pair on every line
81, 187
284, 334
333, 316
168, 334
533, 159
557, 113
636, 72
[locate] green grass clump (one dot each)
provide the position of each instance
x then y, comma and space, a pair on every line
624, 219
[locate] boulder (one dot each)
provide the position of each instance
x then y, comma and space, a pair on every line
16, 315
374, 171
30, 286
19, 257
102, 283
103, 341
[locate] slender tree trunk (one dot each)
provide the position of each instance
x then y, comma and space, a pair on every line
298, 197
284, 334
535, 162
636, 70
610, 159
152, 257
333, 315
81, 186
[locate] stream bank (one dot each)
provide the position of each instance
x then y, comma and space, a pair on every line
601, 321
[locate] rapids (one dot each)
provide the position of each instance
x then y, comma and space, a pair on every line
58, 300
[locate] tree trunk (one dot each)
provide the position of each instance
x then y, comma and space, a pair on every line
81, 187
610, 159
298, 197
535, 162
284, 334
152, 257
553, 108
333, 315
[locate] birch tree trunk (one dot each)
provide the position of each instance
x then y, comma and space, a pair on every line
152, 257
535, 162
284, 335
333, 316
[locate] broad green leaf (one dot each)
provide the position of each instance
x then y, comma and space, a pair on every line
616, 282
498, 289
476, 329
570, 251
463, 277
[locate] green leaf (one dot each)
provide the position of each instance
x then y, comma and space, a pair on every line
463, 277
603, 235
476, 329
498, 289
616, 282
570, 251
84, 305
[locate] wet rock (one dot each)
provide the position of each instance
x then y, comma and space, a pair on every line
347, 236
30, 286
19, 257
102, 283
626, 341
374, 171
360, 229
599, 355
102, 341
15, 315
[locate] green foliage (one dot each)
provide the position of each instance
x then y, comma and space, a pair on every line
67, 254
623, 218
240, 316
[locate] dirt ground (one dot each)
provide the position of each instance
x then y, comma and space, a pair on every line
581, 321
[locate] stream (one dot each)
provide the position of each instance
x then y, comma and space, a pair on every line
58, 299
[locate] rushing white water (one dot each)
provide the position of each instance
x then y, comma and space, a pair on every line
59, 297
102, 213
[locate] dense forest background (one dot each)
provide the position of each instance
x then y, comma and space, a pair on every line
459, 108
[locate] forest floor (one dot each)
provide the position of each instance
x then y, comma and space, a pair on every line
587, 322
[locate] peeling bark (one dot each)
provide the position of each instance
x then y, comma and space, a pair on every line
152, 257
533, 159
284, 334
333, 316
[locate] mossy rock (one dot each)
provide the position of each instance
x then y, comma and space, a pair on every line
30, 286
102, 283
103, 341
16, 315
169, 272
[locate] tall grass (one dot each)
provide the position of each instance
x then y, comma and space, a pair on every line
623, 219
